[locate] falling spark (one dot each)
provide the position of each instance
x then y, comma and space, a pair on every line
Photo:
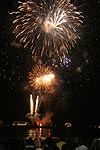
47, 29
41, 77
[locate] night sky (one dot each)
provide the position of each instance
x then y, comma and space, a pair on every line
77, 98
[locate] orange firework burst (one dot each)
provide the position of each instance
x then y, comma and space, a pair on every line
42, 78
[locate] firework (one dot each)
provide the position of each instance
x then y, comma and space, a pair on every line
41, 77
31, 105
36, 105
65, 62
47, 28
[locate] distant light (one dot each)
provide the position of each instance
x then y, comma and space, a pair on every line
68, 124
20, 123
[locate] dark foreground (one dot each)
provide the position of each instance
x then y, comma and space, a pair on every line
15, 137
24, 131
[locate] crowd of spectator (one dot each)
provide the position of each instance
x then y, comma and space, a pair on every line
51, 143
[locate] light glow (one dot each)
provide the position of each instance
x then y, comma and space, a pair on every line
31, 104
36, 105
41, 77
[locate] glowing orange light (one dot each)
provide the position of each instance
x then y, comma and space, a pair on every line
41, 77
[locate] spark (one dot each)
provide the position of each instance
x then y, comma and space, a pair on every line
41, 77
47, 29
65, 62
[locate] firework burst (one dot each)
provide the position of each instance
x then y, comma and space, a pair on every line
47, 29
42, 78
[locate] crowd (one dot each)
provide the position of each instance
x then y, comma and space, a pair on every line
51, 143
63, 143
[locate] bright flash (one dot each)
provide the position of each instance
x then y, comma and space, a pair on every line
53, 23
48, 78
41, 77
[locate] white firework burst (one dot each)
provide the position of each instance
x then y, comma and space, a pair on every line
47, 29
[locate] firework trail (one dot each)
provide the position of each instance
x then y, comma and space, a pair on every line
36, 105
31, 105
47, 28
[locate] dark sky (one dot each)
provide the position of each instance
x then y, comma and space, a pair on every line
77, 98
